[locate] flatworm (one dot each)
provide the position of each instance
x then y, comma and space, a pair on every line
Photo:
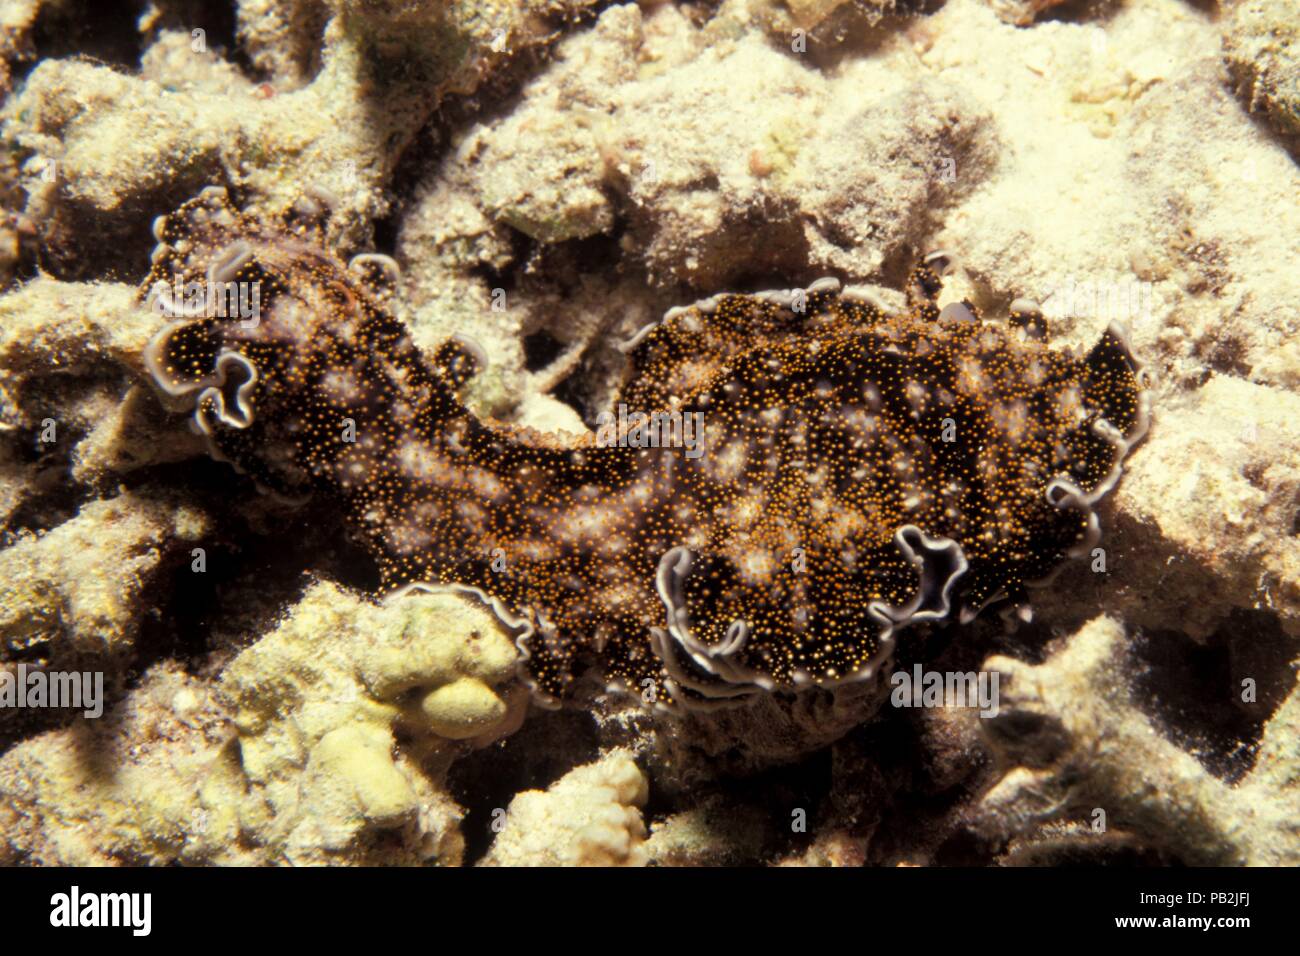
856, 471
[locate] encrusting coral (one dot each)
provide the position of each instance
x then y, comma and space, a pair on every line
291, 757
316, 705
122, 790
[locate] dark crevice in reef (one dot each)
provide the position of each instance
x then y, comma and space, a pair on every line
251, 577
1031, 643
410, 170
568, 265
506, 278
699, 12
386, 230
847, 34
57, 502
866, 798
549, 745
897, 265
781, 261
907, 788
575, 391
1195, 691
566, 268
109, 32
248, 581
774, 813
57, 497
786, 795
1091, 853
84, 243
251, 573
541, 348
102, 30
19, 724
965, 848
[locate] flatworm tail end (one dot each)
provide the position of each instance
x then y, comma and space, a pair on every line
1115, 385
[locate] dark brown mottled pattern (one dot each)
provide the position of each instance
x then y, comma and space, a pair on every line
829, 425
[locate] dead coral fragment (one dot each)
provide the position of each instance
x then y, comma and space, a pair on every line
1074, 741
77, 593
590, 817
1261, 47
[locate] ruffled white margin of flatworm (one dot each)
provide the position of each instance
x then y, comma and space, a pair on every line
939, 561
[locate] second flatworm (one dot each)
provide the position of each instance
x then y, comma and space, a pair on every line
790, 481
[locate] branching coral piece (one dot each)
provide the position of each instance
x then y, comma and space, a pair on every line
1075, 741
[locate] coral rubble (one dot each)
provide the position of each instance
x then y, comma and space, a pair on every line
540, 182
